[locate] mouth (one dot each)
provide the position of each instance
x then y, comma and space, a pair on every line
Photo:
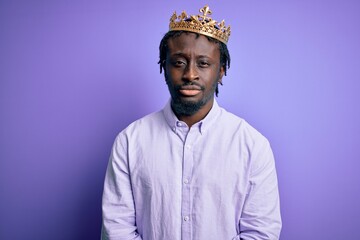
190, 90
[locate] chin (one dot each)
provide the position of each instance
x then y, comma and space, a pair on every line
186, 107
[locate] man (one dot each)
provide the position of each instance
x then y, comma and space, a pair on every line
192, 171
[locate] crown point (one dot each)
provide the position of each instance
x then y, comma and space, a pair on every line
205, 11
183, 16
173, 17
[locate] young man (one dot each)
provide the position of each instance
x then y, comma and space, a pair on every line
191, 171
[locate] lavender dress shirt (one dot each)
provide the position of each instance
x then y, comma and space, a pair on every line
214, 181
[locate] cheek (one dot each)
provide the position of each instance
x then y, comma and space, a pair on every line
213, 75
174, 74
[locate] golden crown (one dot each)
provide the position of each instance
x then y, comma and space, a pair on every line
202, 24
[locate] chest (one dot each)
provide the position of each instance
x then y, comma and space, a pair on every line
204, 161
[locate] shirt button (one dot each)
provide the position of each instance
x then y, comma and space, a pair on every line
188, 146
186, 181
186, 218
179, 124
174, 129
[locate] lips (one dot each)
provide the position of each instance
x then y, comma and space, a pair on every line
190, 90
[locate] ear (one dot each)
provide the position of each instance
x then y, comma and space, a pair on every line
221, 74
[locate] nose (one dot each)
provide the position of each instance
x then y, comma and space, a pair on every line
191, 73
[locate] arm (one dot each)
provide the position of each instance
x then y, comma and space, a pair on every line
260, 218
118, 204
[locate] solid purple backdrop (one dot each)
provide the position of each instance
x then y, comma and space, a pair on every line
74, 74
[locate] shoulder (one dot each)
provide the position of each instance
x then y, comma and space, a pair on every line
241, 128
151, 119
144, 125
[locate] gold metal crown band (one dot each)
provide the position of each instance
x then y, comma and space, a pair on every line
202, 24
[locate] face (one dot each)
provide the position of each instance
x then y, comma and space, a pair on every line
192, 72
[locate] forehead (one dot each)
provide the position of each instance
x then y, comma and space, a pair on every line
192, 44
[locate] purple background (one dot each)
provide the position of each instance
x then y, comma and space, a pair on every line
74, 74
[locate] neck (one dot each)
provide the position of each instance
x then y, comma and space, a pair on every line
197, 116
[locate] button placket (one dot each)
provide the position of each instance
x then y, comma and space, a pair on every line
188, 162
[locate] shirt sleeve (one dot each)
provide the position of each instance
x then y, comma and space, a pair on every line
260, 218
118, 206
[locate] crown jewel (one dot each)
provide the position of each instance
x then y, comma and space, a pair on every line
202, 24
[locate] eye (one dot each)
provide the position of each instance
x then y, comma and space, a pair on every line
179, 63
204, 64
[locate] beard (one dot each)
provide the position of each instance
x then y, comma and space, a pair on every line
185, 107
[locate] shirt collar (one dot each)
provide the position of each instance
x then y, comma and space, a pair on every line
202, 125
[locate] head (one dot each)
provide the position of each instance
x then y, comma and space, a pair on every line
193, 66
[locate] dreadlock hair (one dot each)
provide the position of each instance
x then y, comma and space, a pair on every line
163, 48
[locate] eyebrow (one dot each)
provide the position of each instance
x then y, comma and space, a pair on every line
180, 54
